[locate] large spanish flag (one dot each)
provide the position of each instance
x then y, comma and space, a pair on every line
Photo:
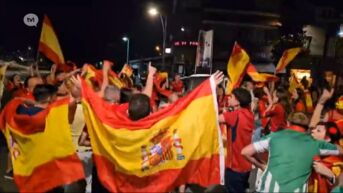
176, 145
43, 154
286, 58
260, 77
48, 44
236, 66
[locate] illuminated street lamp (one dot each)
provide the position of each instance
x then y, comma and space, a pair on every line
153, 12
127, 40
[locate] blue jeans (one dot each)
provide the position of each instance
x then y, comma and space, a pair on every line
236, 182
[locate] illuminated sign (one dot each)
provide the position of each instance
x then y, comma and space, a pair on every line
186, 43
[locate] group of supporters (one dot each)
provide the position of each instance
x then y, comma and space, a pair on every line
291, 136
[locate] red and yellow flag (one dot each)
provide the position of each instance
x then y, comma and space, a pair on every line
260, 77
92, 74
168, 148
41, 147
286, 58
236, 66
127, 70
48, 44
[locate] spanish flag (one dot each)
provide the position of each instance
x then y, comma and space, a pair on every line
92, 74
286, 58
41, 147
236, 66
127, 70
260, 77
48, 44
171, 147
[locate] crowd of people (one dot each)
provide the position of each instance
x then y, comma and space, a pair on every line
288, 139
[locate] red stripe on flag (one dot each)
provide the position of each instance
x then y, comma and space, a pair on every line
52, 174
203, 172
49, 53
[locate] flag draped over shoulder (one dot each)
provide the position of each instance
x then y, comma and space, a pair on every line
236, 66
42, 152
48, 44
177, 145
286, 58
260, 77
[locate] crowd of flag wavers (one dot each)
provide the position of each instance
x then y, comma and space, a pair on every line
93, 130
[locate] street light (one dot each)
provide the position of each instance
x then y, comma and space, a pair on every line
153, 12
182, 29
127, 40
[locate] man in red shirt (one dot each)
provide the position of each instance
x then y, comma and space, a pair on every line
177, 84
241, 124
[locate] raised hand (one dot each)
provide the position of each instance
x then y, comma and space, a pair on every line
53, 68
218, 77
326, 95
152, 70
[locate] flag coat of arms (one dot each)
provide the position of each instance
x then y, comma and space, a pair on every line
176, 145
41, 147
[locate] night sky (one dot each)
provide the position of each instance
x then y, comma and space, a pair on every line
88, 30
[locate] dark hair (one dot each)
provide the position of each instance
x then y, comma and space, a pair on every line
284, 99
42, 92
125, 95
301, 95
243, 96
221, 88
12, 77
139, 106
259, 93
332, 131
26, 81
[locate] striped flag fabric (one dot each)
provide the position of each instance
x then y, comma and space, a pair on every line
127, 70
260, 77
236, 66
171, 147
93, 74
41, 147
49, 45
287, 57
